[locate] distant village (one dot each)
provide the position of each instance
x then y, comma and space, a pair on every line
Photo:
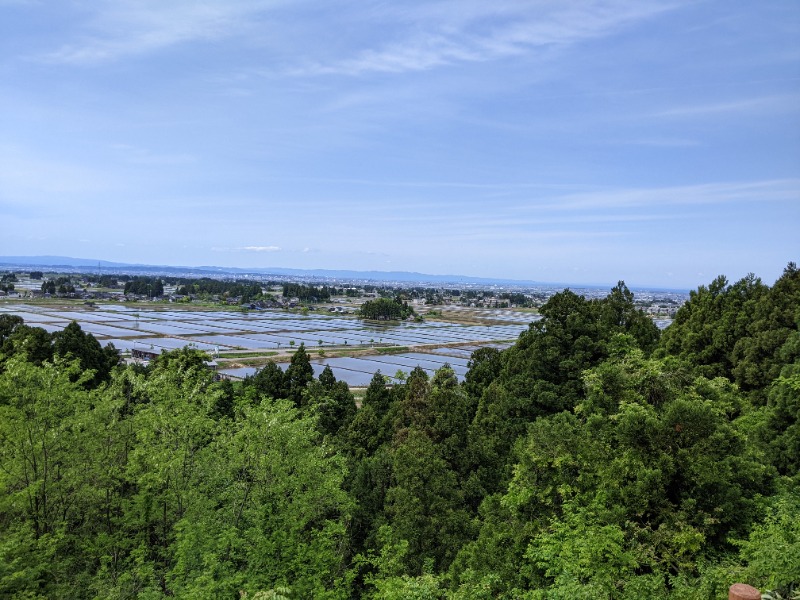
315, 294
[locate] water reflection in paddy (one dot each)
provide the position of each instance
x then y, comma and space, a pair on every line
358, 372
270, 330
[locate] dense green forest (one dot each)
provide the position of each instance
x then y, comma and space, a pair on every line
385, 309
596, 458
307, 293
7, 281
59, 285
206, 286
152, 287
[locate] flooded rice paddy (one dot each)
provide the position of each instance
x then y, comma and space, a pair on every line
442, 342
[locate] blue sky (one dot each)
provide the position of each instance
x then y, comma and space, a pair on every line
579, 141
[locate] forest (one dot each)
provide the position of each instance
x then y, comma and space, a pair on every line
595, 458
306, 293
385, 309
206, 286
152, 287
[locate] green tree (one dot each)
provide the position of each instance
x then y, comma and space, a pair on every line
651, 473
542, 374
47, 480
708, 326
757, 357
173, 423
270, 382
485, 365
772, 550
268, 511
452, 410
299, 374
34, 342
424, 505
384, 309
73, 342
8, 323
332, 403
779, 431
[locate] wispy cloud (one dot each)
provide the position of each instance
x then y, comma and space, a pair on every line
142, 156
133, 27
417, 37
776, 190
657, 142
488, 32
762, 104
599, 210
432, 183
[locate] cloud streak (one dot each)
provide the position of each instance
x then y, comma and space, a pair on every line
121, 28
441, 39
770, 104
246, 249
261, 248
426, 36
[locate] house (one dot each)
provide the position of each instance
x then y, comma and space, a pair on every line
145, 355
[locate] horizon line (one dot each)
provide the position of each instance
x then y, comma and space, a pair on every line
434, 278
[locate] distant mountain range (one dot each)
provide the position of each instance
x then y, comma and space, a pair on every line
56, 261
382, 276
92, 265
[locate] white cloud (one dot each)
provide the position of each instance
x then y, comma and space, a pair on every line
261, 248
246, 249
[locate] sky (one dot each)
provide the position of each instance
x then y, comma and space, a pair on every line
578, 141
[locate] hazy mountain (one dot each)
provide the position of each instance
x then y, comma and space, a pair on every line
399, 276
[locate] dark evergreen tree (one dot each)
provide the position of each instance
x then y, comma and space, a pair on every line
385, 309
269, 382
8, 323
34, 342
299, 374
75, 343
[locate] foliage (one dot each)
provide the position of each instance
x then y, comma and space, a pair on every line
772, 550
541, 374
299, 374
60, 285
72, 342
268, 511
385, 309
269, 382
152, 287
206, 286
738, 331
590, 460
306, 293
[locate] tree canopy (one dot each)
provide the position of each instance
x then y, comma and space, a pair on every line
594, 458
385, 309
